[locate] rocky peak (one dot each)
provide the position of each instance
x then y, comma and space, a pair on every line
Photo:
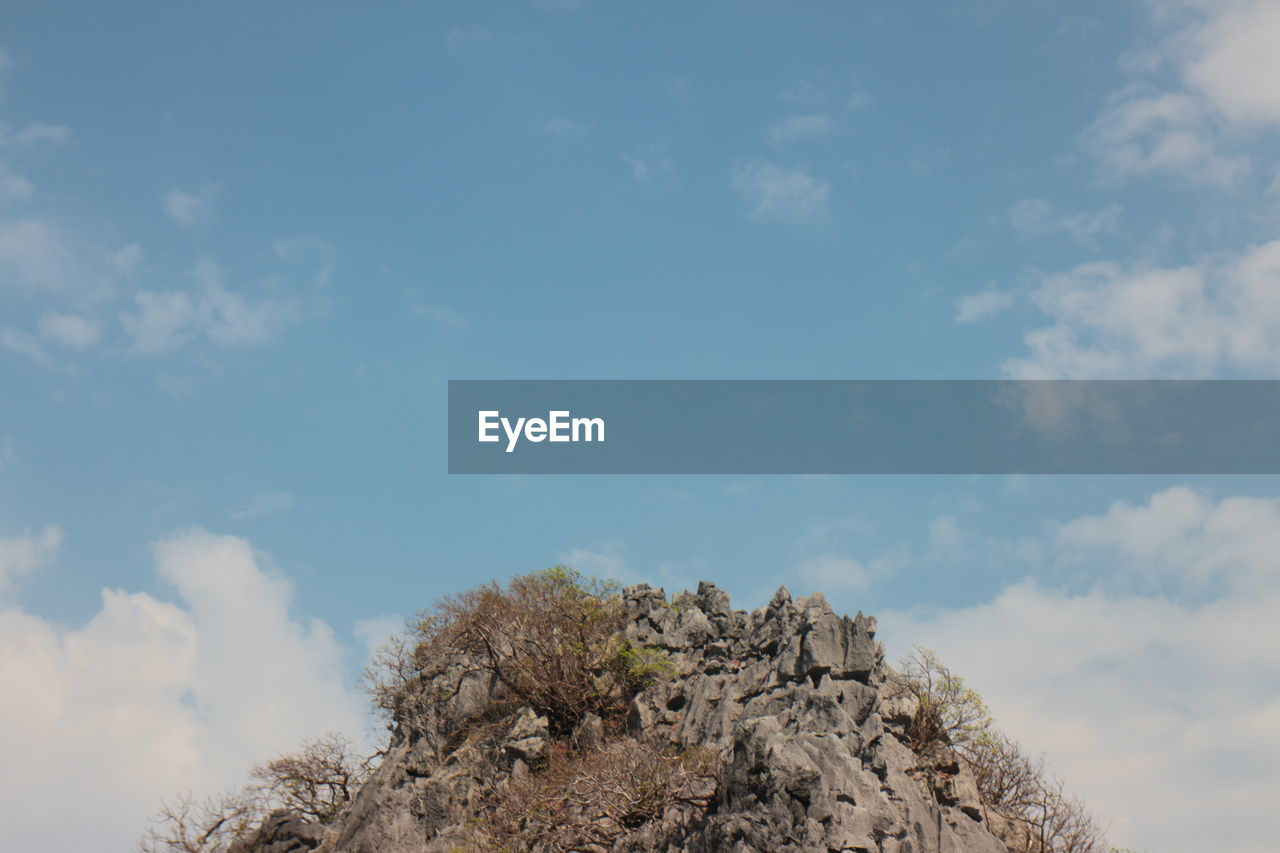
796, 702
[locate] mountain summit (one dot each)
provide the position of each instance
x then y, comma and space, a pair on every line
781, 729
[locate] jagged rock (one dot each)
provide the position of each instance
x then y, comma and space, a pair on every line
797, 701
282, 832
527, 737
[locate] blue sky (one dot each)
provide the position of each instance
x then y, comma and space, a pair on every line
243, 247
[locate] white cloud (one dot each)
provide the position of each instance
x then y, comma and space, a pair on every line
600, 562
1232, 60
227, 318
69, 330
126, 259
771, 191
858, 100
986, 303
563, 128
191, 208
1038, 217
651, 164
27, 344
38, 133
150, 698
1227, 89
1160, 710
1109, 321
36, 256
165, 321
833, 572
1183, 541
801, 128
375, 631
809, 96
264, 504
1144, 132
460, 39
22, 555
441, 315
13, 187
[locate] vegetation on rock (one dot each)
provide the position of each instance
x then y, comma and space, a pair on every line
557, 712
1024, 805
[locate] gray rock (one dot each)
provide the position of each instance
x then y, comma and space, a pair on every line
282, 832
796, 699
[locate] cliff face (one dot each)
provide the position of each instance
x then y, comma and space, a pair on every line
796, 700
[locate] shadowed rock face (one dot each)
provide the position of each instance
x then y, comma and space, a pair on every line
793, 696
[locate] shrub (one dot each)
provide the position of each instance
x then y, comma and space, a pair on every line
187, 825
948, 713
1024, 805
581, 799
551, 641
316, 782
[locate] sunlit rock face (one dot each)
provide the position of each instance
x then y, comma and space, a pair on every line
796, 700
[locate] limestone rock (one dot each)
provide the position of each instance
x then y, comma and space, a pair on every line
795, 698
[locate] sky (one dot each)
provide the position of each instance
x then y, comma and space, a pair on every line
243, 247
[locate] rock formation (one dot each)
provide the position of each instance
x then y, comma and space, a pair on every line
796, 700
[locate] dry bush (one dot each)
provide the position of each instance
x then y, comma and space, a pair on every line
1024, 805
948, 713
187, 825
316, 782
550, 641
392, 674
587, 800
1007, 779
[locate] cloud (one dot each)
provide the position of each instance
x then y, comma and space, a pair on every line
150, 698
1112, 321
163, 321
651, 164
1226, 90
36, 256
801, 128
774, 192
560, 127
263, 504
191, 209
1182, 541
601, 562
833, 572
13, 187
460, 39
1158, 707
375, 631
27, 344
1037, 217
24, 554
1232, 61
210, 310
69, 330
126, 259
441, 315
36, 134
987, 303
1144, 132
809, 95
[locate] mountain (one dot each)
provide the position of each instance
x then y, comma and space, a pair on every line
781, 729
